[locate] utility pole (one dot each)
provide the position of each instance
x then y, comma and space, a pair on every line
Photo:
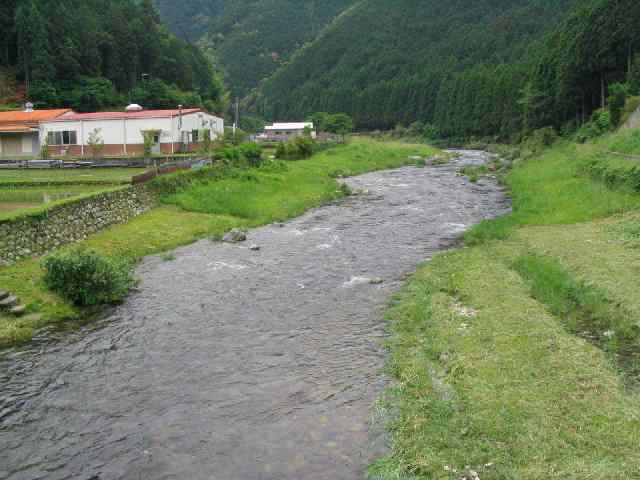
236, 123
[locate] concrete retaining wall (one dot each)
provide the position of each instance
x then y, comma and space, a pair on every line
38, 233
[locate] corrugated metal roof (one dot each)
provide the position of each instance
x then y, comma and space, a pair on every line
289, 126
75, 117
20, 116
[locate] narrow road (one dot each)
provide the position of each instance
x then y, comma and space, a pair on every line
233, 364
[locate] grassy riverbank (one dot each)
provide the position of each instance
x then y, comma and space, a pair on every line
208, 210
518, 357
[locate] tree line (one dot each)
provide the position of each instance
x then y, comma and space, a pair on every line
99, 54
494, 68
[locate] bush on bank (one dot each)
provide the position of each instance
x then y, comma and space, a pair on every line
87, 278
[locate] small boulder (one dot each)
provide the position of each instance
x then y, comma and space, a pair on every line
235, 236
376, 281
254, 248
4, 294
18, 310
9, 302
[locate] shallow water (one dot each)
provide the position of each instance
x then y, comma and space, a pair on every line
235, 364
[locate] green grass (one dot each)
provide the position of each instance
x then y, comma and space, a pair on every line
268, 196
552, 189
521, 352
261, 196
67, 175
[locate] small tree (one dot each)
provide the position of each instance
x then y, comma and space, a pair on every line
149, 141
340, 124
44, 149
96, 143
617, 99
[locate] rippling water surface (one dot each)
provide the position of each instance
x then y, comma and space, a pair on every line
235, 364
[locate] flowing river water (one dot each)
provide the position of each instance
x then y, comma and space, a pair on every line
233, 364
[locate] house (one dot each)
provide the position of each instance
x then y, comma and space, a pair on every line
19, 131
279, 132
123, 133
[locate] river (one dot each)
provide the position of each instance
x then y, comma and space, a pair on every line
229, 363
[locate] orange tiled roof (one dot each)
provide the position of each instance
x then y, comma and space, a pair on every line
22, 117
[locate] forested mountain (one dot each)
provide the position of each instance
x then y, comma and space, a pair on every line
96, 54
251, 38
457, 64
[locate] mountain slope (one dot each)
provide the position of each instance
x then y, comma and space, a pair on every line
251, 38
96, 54
388, 62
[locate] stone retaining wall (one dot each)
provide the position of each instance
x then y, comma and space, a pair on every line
38, 233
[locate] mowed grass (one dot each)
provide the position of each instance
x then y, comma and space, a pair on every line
267, 195
69, 175
517, 358
553, 189
302, 185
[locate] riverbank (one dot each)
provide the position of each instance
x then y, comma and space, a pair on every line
519, 356
207, 211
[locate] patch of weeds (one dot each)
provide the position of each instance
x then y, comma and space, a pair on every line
421, 163
168, 257
585, 311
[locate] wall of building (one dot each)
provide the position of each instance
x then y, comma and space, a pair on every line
36, 234
22, 144
116, 133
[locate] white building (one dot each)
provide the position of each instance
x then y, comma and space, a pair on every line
19, 131
279, 132
123, 133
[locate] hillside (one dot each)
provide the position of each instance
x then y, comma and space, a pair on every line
250, 38
463, 68
97, 54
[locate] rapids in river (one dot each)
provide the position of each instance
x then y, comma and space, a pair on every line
234, 364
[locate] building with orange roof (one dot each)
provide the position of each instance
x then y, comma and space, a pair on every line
20, 130
124, 132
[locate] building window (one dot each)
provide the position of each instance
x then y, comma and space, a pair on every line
195, 136
69, 137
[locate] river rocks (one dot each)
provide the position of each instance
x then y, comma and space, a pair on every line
4, 294
9, 302
235, 236
376, 281
254, 248
18, 310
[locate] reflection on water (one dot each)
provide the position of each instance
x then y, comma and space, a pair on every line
239, 364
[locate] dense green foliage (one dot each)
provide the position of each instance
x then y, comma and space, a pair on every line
95, 54
251, 38
490, 68
87, 278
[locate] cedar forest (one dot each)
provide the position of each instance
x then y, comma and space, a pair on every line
492, 68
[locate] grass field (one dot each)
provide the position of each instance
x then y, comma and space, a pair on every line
112, 176
208, 211
518, 358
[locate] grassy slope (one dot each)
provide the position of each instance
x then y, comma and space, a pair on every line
522, 351
261, 198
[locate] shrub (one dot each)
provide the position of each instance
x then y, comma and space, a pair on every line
252, 152
87, 278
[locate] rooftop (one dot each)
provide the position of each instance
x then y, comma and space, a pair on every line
22, 119
72, 116
289, 126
